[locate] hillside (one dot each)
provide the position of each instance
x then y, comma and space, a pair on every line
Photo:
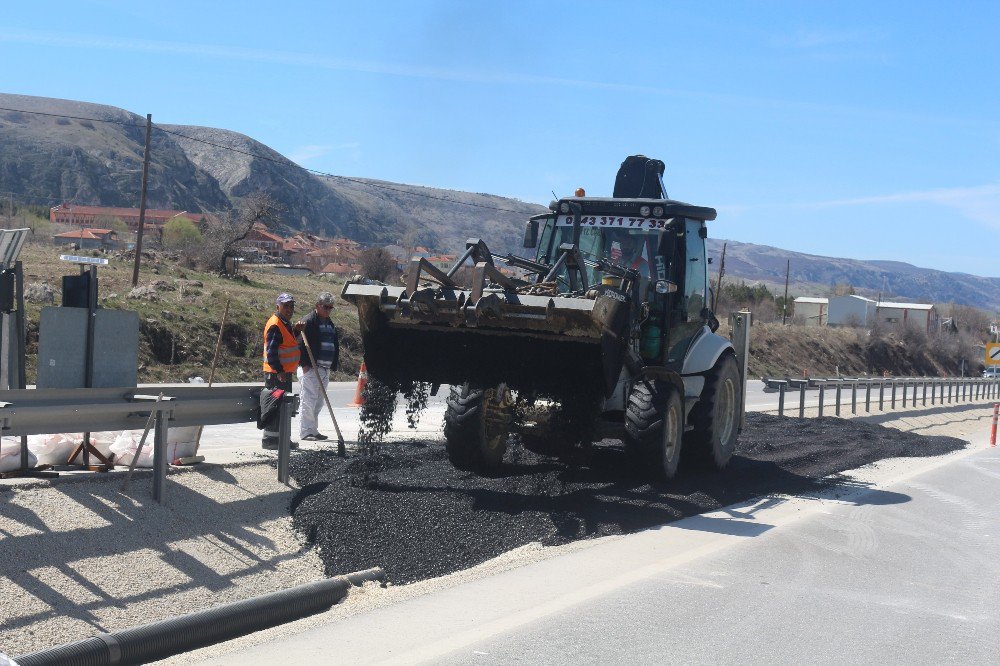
180, 310
812, 275
46, 160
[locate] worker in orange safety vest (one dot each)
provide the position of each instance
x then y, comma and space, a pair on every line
281, 354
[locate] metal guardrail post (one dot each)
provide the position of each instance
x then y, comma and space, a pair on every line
934, 384
822, 392
881, 395
160, 455
868, 395
906, 385
284, 437
923, 385
739, 335
781, 397
949, 392
836, 409
802, 398
892, 402
854, 397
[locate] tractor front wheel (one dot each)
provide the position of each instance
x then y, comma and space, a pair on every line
476, 425
654, 425
716, 416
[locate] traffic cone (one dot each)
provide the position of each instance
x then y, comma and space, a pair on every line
362, 381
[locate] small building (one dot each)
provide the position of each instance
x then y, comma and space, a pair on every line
88, 239
443, 261
83, 216
265, 241
851, 310
341, 270
813, 310
299, 271
921, 315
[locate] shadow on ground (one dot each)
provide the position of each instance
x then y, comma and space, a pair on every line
420, 517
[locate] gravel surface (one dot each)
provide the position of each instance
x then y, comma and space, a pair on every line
446, 520
78, 557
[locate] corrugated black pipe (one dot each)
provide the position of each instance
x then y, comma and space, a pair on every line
163, 639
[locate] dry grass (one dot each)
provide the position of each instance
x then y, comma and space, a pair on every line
180, 326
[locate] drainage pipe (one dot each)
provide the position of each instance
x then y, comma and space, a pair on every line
189, 632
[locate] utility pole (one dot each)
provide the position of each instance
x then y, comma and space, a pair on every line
784, 303
142, 202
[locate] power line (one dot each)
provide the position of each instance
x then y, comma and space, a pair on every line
283, 161
61, 115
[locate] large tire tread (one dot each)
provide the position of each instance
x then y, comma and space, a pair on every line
646, 416
705, 446
465, 431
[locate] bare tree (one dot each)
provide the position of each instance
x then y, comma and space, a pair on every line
378, 264
225, 236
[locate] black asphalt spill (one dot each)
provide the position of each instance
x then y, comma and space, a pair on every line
417, 517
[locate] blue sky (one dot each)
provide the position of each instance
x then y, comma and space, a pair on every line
865, 130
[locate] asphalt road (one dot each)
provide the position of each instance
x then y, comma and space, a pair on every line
900, 569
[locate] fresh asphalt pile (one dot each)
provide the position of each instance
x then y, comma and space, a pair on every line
403, 507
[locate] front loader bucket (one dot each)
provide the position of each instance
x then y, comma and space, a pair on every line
549, 344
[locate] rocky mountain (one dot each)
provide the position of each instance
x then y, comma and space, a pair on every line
92, 154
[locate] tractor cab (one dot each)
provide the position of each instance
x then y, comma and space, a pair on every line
658, 244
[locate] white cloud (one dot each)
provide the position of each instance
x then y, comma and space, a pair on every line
215, 51
310, 152
980, 203
822, 37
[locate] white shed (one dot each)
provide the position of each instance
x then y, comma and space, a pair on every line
913, 314
813, 310
851, 310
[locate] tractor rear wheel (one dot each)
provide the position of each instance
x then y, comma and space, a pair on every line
654, 425
716, 416
476, 425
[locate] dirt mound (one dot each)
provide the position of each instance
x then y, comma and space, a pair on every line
442, 520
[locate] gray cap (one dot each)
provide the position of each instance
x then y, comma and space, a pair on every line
325, 298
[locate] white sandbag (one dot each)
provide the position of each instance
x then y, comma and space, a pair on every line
10, 455
102, 441
126, 444
53, 449
180, 444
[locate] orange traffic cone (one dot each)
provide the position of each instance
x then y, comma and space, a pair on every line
362, 381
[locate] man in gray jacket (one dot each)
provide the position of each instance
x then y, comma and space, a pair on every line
318, 329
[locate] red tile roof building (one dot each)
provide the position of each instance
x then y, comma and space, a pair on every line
88, 238
83, 216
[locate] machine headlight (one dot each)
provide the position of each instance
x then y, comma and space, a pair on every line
564, 207
644, 211
657, 211
665, 287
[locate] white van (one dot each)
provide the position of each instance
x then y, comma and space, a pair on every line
993, 372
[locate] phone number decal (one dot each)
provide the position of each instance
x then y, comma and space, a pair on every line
617, 222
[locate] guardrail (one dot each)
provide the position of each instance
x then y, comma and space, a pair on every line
943, 389
44, 411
